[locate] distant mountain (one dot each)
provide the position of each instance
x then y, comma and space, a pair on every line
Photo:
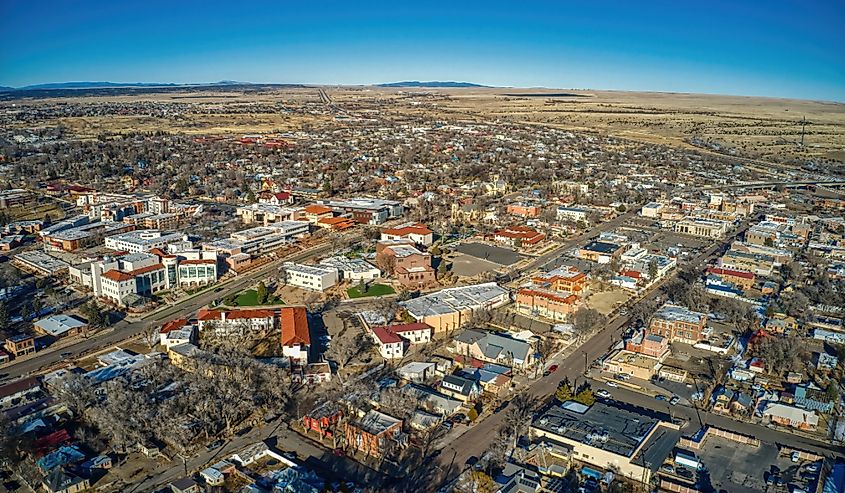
6, 88
416, 83
97, 85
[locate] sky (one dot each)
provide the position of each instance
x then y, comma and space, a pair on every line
779, 48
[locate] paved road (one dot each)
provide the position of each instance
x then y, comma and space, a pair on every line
127, 329
478, 439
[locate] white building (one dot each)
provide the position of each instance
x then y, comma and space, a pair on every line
416, 232
572, 214
143, 241
239, 322
317, 278
389, 345
652, 210
352, 269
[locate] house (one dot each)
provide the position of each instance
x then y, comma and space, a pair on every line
324, 419
275, 198
460, 388
185, 485
313, 277
18, 389
225, 322
809, 396
374, 434
413, 333
825, 362
740, 278
20, 345
574, 214
389, 345
60, 481
677, 323
432, 400
176, 332
296, 333
792, 416
494, 347
416, 372
652, 345
212, 476
60, 325
415, 232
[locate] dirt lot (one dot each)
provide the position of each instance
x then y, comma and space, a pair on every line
605, 302
469, 266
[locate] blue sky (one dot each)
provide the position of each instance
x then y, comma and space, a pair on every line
770, 48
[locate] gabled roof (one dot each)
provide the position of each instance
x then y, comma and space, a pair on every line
294, 322
385, 336
173, 325
400, 328
59, 480
317, 209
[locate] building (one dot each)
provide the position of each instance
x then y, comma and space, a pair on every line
739, 278
313, 277
366, 210
176, 332
545, 303
389, 345
260, 240
572, 214
20, 345
128, 279
494, 348
653, 345
40, 263
18, 390
375, 434
414, 333
652, 210
314, 213
296, 333
416, 372
791, 416
637, 365
411, 267
460, 388
631, 444
416, 232
677, 323
60, 480
60, 326
518, 236
267, 214
352, 269
451, 308
225, 322
567, 279
146, 220
15, 197
601, 252
143, 241
324, 420
705, 228
524, 209
83, 236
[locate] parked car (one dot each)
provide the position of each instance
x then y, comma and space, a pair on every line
814, 467
459, 418
552, 369
215, 444
613, 384
660, 397
603, 394
674, 400
447, 425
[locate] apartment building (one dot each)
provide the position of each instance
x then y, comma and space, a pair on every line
677, 323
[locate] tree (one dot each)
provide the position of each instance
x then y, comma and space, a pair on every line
564, 391
586, 319
261, 293
586, 397
150, 336
652, 269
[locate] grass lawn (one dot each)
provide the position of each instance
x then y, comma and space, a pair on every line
374, 290
250, 298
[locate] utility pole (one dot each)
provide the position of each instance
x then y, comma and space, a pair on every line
585, 362
803, 124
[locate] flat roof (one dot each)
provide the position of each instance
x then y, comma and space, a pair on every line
59, 324
613, 429
677, 313
454, 299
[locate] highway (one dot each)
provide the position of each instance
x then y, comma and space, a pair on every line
128, 329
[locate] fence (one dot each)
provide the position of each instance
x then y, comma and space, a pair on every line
696, 441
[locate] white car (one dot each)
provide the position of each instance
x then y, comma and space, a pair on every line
603, 394
612, 384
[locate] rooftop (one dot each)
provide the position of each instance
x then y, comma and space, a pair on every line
676, 313
455, 299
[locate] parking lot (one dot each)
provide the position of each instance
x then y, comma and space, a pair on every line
495, 254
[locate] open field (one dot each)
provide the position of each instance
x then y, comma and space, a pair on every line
752, 127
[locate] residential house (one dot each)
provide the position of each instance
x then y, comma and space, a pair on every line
809, 396
389, 345
61, 481
795, 417
413, 333
374, 434
60, 326
185, 485
495, 348
17, 390
176, 332
460, 388
416, 372
324, 419
296, 333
